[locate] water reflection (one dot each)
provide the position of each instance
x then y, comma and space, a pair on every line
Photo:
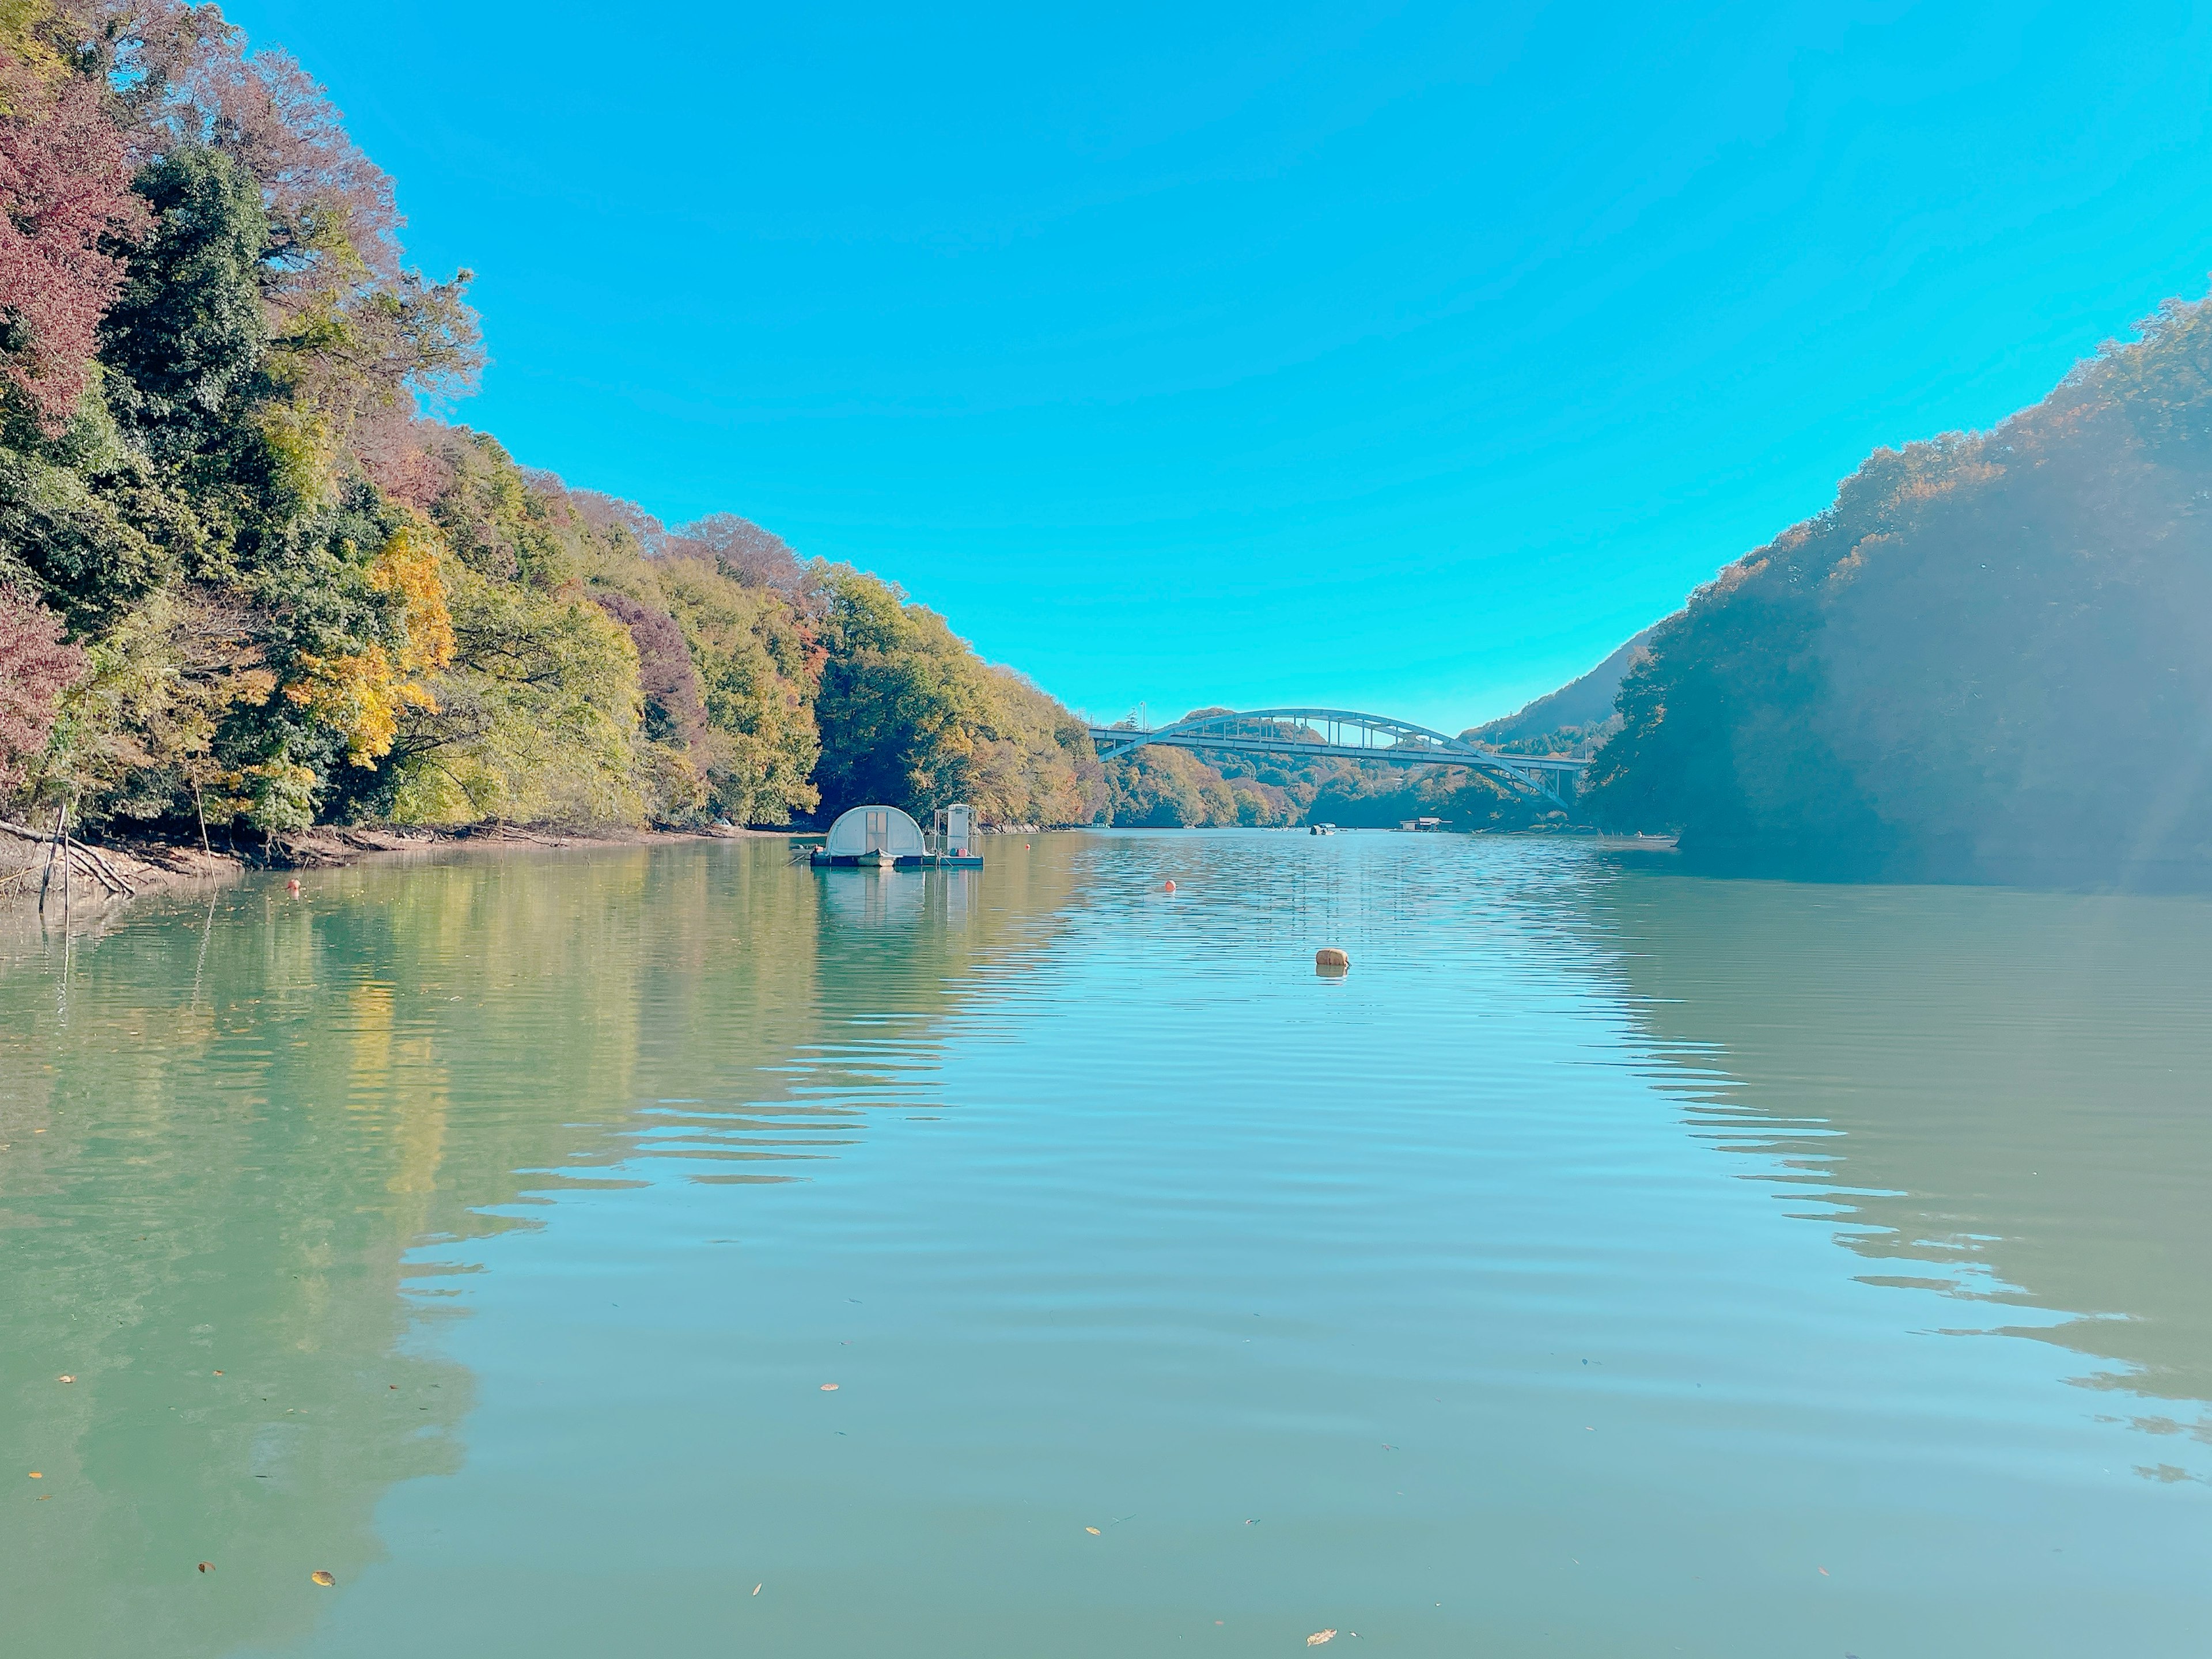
204, 1223
234, 1183
1395, 1299
2005, 1096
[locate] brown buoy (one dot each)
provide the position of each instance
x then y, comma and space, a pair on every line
1330, 960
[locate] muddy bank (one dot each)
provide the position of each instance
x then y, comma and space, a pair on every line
32, 867
98, 876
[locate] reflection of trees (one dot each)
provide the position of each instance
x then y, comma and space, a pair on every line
210, 1193
2008, 1089
248, 1129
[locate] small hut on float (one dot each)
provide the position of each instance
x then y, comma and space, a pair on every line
956, 838
884, 838
872, 836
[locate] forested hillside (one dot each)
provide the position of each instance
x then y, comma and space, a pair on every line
1992, 658
246, 580
1173, 788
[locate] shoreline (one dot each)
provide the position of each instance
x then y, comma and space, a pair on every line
107, 875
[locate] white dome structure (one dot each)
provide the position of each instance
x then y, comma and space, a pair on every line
873, 834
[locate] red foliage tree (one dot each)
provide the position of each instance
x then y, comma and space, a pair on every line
65, 186
674, 703
35, 668
183, 75
744, 552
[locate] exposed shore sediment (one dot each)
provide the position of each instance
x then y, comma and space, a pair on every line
103, 875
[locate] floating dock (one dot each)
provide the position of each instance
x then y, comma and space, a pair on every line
884, 838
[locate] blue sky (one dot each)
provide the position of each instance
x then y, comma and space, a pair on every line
1404, 357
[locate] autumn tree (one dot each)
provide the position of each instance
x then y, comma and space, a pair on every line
64, 205
36, 667
251, 572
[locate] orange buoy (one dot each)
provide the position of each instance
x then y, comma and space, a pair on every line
293, 887
1169, 888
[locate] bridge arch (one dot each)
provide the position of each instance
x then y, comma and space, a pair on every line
1341, 734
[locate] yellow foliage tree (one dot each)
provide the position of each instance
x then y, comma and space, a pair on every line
362, 693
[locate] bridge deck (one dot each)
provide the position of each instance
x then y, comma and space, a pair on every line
1112, 737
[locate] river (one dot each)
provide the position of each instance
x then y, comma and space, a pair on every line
1614, 1262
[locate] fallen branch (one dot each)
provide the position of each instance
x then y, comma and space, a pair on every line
106, 871
77, 854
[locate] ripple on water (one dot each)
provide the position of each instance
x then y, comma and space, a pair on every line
1613, 1261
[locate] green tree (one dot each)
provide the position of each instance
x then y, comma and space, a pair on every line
187, 329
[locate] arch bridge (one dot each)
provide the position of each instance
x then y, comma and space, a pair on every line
1342, 734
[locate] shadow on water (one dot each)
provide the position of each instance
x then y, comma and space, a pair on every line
2004, 1096
246, 1141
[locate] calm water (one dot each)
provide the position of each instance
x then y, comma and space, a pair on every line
1614, 1263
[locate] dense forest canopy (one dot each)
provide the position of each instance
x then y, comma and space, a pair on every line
1992, 656
246, 580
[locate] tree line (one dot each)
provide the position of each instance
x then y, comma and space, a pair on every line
246, 582
1170, 788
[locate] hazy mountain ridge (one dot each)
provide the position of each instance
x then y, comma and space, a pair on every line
1580, 703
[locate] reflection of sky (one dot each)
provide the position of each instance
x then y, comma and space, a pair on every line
1400, 1304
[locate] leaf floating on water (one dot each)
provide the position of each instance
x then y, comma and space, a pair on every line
1320, 1637
829, 1388
35, 1475
324, 1576
207, 1567
1093, 1531
757, 1589
66, 1377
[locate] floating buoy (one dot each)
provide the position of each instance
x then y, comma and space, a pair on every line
293, 887
1330, 960
1169, 888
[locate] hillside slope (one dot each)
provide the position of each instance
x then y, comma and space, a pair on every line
245, 586
1991, 659
1578, 709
